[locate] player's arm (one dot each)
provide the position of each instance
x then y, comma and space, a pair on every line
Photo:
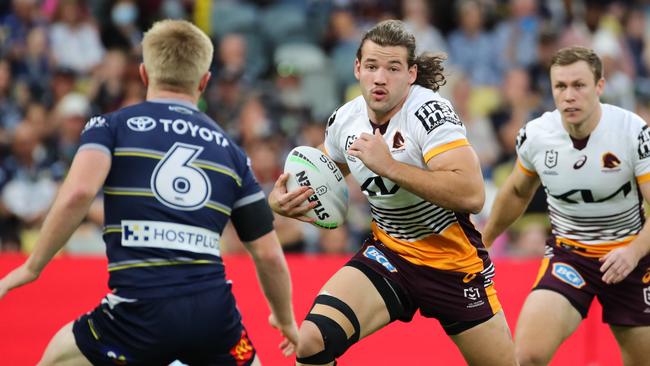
511, 202
273, 275
254, 225
453, 179
618, 263
86, 176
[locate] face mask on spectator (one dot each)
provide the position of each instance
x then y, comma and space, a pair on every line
124, 14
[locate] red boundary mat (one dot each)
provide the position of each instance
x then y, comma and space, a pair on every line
70, 286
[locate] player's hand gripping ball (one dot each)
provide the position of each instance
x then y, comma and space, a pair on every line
308, 166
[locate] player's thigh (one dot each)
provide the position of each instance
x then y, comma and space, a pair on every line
634, 343
545, 321
489, 343
357, 291
63, 351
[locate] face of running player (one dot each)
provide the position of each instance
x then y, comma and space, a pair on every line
385, 79
576, 93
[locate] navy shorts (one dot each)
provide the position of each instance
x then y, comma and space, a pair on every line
197, 329
578, 278
457, 300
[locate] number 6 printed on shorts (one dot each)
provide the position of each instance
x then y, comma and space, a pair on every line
178, 184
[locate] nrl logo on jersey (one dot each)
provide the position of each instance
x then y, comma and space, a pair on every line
550, 161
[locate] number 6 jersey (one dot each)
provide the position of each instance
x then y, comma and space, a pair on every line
175, 181
592, 189
414, 228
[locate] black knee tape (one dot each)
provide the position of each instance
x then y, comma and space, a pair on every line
334, 336
392, 293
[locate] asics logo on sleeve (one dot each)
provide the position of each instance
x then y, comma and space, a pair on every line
97, 121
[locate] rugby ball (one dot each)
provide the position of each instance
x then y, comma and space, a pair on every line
308, 166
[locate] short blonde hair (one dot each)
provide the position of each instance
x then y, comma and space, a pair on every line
176, 55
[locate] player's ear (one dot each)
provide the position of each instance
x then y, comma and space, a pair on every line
204, 81
143, 75
600, 86
357, 68
413, 73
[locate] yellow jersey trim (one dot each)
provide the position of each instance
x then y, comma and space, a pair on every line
446, 147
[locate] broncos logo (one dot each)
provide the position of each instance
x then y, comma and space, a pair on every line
610, 161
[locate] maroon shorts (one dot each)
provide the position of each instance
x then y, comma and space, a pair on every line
450, 297
578, 278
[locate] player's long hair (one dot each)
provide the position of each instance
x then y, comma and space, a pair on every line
176, 55
393, 33
573, 54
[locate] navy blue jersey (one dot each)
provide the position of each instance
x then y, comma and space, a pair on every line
174, 181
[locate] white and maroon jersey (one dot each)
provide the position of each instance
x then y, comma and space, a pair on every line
418, 230
594, 202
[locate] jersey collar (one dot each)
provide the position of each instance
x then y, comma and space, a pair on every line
184, 103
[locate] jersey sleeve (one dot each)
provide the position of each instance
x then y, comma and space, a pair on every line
642, 155
438, 128
522, 146
98, 134
332, 142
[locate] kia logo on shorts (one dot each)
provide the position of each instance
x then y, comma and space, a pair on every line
141, 123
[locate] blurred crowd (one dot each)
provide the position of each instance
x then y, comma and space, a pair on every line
280, 69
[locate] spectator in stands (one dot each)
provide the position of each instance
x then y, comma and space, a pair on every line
471, 47
24, 17
345, 35
547, 45
10, 113
73, 33
121, 30
108, 85
515, 37
519, 105
29, 179
34, 68
63, 82
480, 132
232, 57
71, 114
417, 19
